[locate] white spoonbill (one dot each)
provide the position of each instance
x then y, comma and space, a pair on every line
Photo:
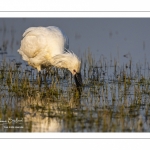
44, 46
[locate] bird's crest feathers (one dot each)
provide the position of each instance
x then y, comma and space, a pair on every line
67, 60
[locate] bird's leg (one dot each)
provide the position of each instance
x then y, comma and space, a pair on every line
45, 75
39, 79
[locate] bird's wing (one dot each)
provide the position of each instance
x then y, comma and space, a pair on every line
33, 43
29, 30
66, 39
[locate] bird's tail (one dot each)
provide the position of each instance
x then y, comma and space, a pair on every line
24, 57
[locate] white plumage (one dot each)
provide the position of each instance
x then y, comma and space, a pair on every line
44, 46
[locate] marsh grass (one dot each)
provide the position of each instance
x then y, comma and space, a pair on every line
114, 98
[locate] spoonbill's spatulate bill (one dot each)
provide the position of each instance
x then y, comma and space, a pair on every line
44, 46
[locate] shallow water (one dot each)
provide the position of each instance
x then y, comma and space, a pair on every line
115, 96
117, 101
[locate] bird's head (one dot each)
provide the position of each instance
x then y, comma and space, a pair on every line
75, 69
70, 61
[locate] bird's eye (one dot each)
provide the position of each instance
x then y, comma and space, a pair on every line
74, 71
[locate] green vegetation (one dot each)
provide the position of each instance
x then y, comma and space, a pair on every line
114, 98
